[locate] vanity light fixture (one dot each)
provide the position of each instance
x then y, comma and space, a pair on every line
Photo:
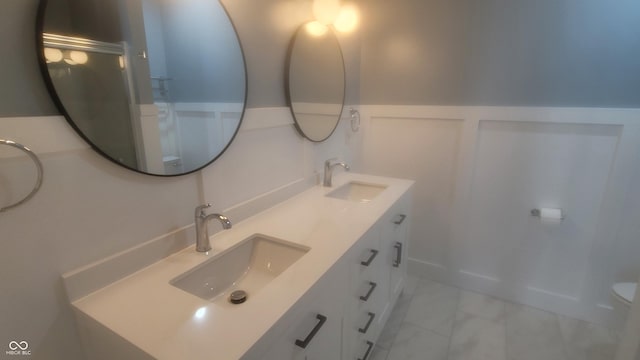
316, 29
344, 18
73, 57
326, 11
347, 19
53, 55
200, 313
78, 57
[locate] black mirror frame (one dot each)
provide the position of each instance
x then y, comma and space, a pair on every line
44, 71
288, 90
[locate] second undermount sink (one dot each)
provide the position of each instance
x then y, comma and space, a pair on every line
357, 191
249, 266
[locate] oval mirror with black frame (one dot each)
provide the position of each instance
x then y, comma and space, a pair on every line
157, 86
315, 81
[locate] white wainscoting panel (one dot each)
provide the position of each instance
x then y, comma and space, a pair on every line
521, 166
269, 155
204, 128
412, 148
481, 170
258, 161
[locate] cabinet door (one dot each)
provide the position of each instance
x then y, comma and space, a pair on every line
394, 241
314, 329
398, 247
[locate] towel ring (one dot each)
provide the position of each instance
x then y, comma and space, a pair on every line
35, 159
355, 119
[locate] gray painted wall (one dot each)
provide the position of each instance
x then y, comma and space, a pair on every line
501, 52
265, 29
202, 27
491, 52
22, 91
316, 72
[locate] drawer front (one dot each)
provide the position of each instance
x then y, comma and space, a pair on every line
314, 327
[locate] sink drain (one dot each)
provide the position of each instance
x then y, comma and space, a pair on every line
238, 297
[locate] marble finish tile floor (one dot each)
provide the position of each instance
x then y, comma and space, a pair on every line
432, 321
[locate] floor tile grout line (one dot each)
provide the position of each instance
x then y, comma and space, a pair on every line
506, 331
565, 343
425, 329
449, 340
404, 316
449, 337
453, 326
394, 336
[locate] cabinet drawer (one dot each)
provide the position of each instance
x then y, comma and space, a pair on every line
314, 325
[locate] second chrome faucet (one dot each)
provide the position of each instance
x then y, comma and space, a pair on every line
202, 231
328, 171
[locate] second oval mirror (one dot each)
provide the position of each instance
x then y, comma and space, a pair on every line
315, 81
157, 86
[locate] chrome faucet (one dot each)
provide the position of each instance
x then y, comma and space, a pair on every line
202, 231
328, 171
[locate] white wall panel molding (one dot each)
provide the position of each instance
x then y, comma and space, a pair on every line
402, 143
607, 116
502, 162
428, 270
209, 107
602, 116
619, 187
258, 161
269, 162
415, 111
260, 118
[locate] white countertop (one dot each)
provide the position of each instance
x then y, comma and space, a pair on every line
169, 323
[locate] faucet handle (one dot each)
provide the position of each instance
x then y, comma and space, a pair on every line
200, 209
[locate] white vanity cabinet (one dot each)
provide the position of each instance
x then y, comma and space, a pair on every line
377, 271
330, 304
312, 329
351, 303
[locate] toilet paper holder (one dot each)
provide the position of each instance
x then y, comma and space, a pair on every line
547, 213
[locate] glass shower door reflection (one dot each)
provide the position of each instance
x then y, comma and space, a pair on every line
96, 95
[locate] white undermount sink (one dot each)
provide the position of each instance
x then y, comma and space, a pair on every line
357, 191
249, 266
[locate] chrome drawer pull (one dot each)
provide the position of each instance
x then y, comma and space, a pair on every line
366, 355
401, 219
373, 286
304, 343
398, 261
374, 253
366, 327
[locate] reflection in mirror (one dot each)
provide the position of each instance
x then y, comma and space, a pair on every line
158, 86
316, 81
